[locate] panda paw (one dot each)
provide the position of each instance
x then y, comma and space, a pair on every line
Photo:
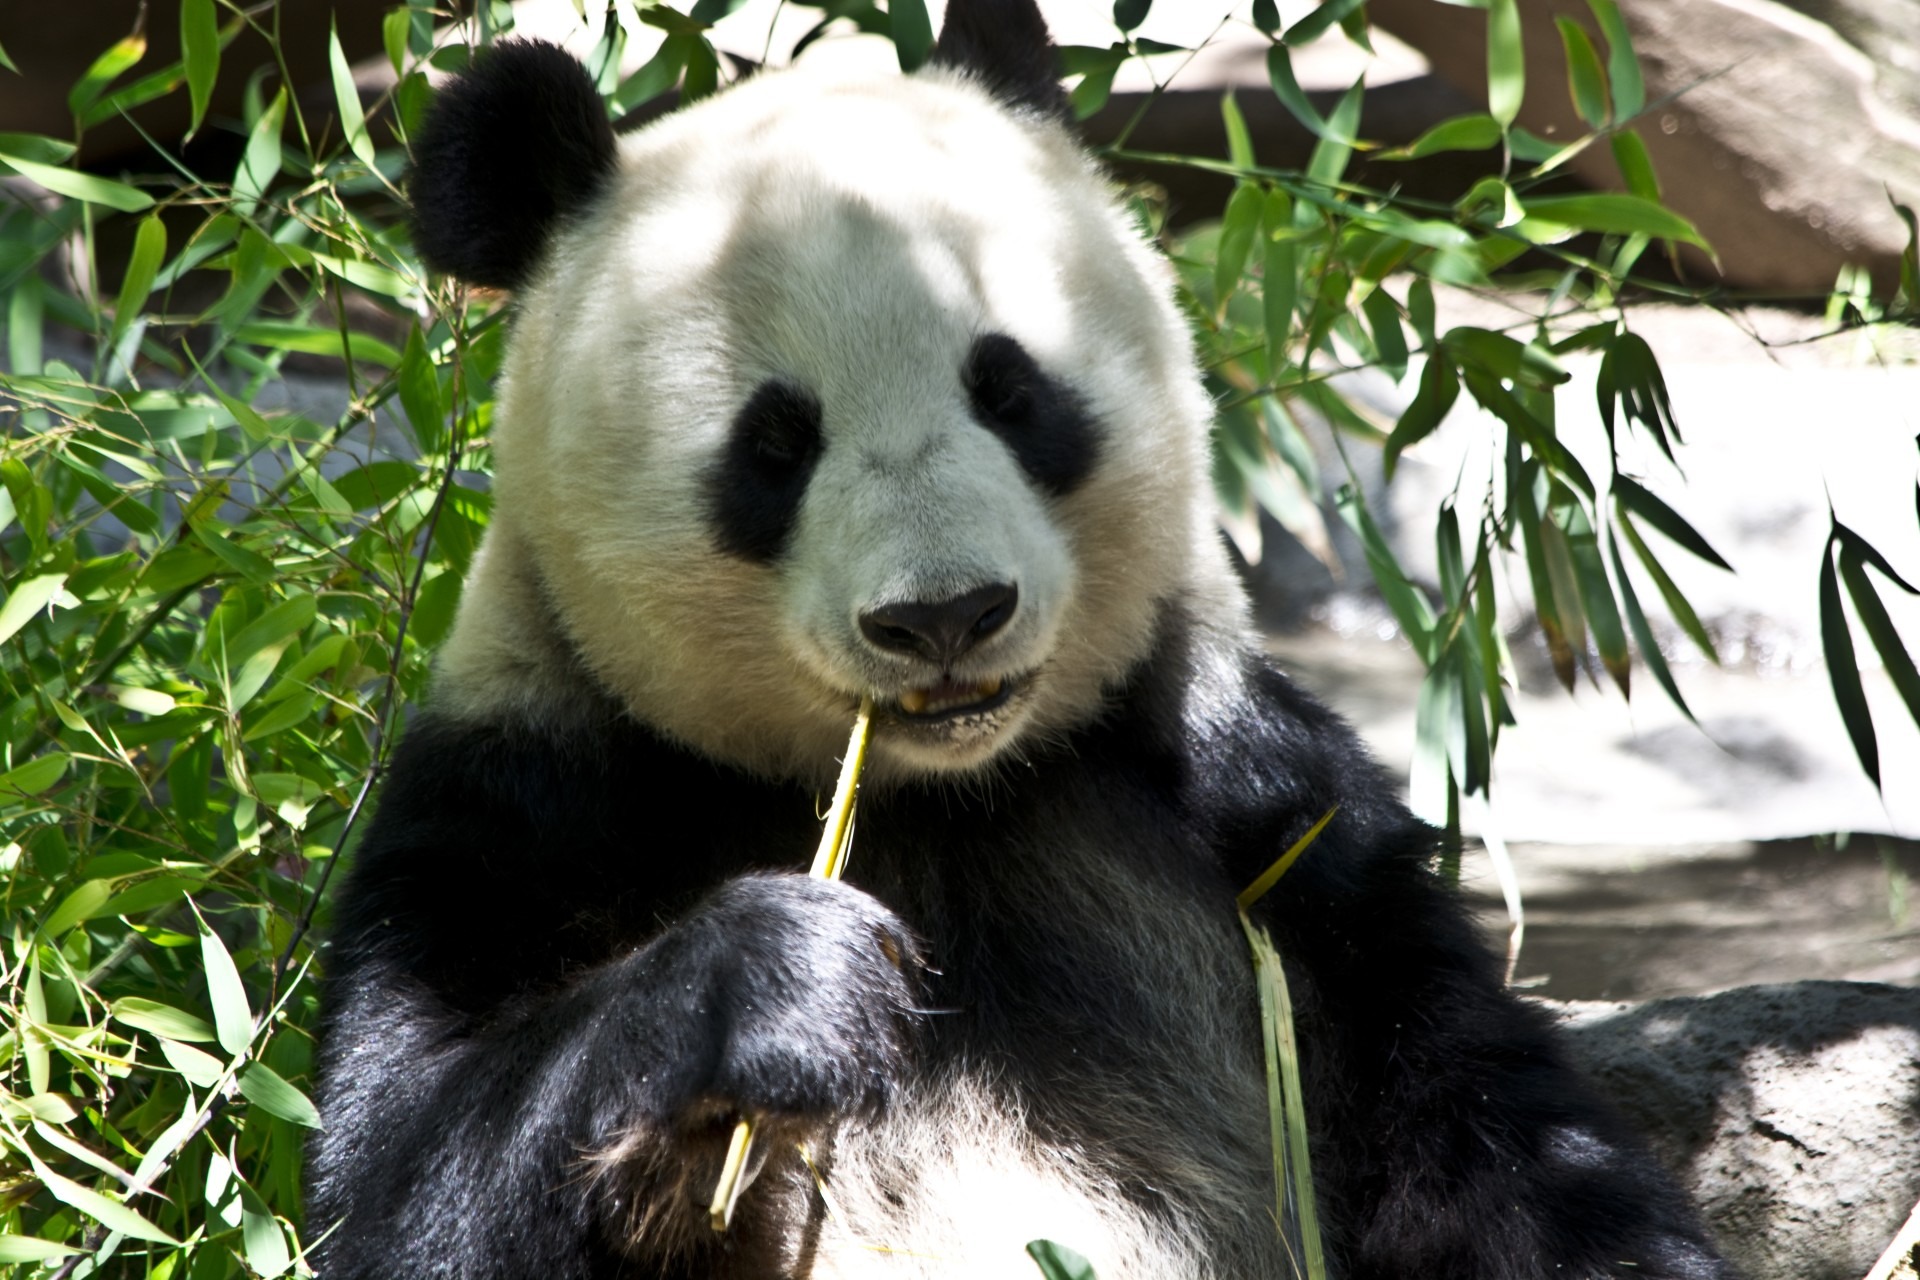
797, 995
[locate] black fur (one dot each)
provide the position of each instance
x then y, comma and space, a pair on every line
1005, 46
517, 142
532, 983
1042, 421
754, 490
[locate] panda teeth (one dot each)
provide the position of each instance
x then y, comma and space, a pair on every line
947, 695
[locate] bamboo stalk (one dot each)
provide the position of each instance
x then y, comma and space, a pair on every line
829, 861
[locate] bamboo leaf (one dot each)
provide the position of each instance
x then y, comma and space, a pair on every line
1623, 67
1439, 387
1636, 166
1128, 14
1237, 230
1506, 61
1677, 603
1336, 146
80, 186
1596, 596
1279, 279
912, 32
200, 55
1462, 133
1844, 671
260, 163
346, 98
106, 68
1894, 657
1643, 634
26, 600
267, 1089
1239, 141
1316, 23
1664, 518
1586, 79
149, 251
232, 1015
162, 1020
108, 1212
1294, 98
1613, 214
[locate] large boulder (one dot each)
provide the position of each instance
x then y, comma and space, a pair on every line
1791, 1112
1777, 129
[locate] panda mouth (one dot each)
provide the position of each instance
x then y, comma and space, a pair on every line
951, 699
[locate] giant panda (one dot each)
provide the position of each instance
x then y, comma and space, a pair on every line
826, 388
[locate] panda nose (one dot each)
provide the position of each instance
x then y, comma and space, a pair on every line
941, 631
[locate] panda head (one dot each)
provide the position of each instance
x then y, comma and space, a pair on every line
819, 388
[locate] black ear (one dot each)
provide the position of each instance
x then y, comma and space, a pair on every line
515, 143
1004, 45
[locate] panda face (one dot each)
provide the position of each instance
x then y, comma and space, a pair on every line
850, 388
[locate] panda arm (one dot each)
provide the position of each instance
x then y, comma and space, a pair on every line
522, 1072
1450, 1128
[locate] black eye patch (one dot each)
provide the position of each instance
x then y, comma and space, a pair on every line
754, 489
1040, 419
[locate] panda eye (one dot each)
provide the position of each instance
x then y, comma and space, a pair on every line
781, 425
1001, 380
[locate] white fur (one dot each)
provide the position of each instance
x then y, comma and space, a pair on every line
855, 236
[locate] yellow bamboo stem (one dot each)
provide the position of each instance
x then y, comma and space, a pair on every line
829, 861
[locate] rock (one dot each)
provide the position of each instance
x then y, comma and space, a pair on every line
1791, 1112
1784, 137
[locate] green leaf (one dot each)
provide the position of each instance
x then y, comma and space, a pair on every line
1614, 214
82, 904
1439, 387
1643, 634
27, 599
18, 1249
196, 1066
261, 1239
33, 777
1389, 340
109, 1213
1894, 657
1462, 133
1506, 61
1586, 79
1851, 541
260, 164
1128, 14
1596, 595
346, 98
1239, 141
1331, 153
1623, 68
660, 73
1057, 1262
1279, 278
1677, 603
265, 1088
1315, 24
1407, 602
79, 186
232, 1015
250, 564
1287, 88
200, 53
1636, 166
1844, 672
1666, 520
317, 341
162, 1020
1237, 229
106, 68
912, 32
149, 251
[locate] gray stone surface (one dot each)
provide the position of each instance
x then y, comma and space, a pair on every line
1792, 1112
